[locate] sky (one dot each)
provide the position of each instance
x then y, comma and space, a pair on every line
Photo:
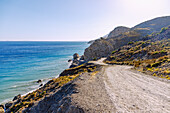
73, 20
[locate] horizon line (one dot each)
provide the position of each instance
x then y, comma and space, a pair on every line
42, 41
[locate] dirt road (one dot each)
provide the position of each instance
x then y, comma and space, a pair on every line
132, 91
113, 89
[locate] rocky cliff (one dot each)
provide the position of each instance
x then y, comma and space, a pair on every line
122, 35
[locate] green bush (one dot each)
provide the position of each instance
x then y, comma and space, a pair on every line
129, 43
163, 29
163, 51
113, 52
156, 52
156, 64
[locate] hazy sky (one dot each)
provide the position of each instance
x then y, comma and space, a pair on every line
69, 20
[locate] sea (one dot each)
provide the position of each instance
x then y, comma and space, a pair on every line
22, 63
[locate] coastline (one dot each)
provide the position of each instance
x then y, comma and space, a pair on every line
45, 81
105, 82
55, 66
53, 85
37, 86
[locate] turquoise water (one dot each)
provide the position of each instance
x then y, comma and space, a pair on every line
23, 63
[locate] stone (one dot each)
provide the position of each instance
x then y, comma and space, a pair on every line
81, 62
69, 60
75, 56
17, 97
50, 81
76, 61
73, 65
9, 104
39, 81
82, 57
41, 85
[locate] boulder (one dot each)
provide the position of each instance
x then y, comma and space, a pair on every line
39, 81
82, 57
9, 104
75, 56
81, 62
41, 85
73, 65
50, 81
17, 97
69, 60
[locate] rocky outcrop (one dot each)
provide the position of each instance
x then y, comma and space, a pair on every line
76, 56
9, 104
99, 48
77, 60
39, 81
17, 97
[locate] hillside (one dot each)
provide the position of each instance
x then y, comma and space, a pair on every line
150, 55
122, 35
154, 25
98, 86
117, 31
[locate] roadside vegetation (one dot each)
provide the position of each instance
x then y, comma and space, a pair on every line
150, 56
51, 86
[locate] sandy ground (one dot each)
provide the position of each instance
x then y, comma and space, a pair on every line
134, 92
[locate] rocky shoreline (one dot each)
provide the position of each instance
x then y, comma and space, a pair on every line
76, 61
80, 88
53, 86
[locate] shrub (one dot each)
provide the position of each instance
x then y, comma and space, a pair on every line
113, 52
163, 51
156, 64
156, 52
150, 69
94, 58
129, 43
154, 74
163, 30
